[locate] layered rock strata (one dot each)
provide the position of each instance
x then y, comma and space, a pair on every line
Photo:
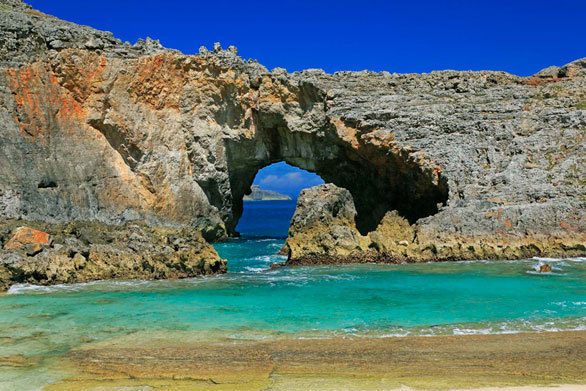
95, 129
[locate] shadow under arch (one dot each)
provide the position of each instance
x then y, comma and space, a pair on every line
380, 177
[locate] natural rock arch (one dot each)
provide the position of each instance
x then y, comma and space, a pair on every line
381, 176
93, 129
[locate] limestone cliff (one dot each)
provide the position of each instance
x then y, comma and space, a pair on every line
95, 129
323, 231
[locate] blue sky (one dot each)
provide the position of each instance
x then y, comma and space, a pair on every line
286, 179
520, 37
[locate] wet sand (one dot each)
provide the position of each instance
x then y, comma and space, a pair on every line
183, 361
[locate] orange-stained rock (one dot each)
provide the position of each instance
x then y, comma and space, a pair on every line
440, 166
28, 239
83, 251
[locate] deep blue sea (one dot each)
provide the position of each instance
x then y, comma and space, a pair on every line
266, 219
253, 301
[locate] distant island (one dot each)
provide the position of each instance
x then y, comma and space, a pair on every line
264, 195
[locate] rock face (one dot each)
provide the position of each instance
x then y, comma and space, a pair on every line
87, 251
323, 231
323, 227
477, 163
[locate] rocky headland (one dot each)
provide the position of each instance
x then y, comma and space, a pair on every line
258, 194
438, 166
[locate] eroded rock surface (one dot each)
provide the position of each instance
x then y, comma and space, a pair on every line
479, 164
30, 240
86, 251
323, 231
324, 224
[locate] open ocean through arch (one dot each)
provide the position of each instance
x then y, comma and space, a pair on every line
252, 301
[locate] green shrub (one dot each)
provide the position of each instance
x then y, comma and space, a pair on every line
581, 105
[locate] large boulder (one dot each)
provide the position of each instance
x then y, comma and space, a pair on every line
393, 234
324, 225
29, 240
323, 231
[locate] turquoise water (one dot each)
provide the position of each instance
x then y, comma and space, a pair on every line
252, 301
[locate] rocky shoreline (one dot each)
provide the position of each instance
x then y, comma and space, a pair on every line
323, 231
447, 165
82, 251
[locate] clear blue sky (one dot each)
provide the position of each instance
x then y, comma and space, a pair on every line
520, 37
286, 179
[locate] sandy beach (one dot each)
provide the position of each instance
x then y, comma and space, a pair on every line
526, 361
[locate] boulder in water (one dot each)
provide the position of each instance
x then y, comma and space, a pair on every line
545, 268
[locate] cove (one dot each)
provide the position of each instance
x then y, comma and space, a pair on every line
253, 302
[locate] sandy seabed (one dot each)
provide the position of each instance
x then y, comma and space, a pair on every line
183, 361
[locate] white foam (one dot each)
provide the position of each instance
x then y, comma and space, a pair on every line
249, 337
26, 288
268, 258
317, 338
505, 327
18, 289
255, 269
109, 285
542, 259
